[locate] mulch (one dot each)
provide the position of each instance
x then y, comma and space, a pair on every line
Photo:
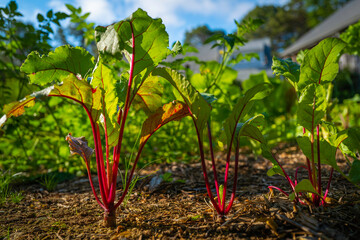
180, 209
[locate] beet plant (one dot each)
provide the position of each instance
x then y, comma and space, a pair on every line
199, 109
235, 127
107, 95
224, 104
320, 139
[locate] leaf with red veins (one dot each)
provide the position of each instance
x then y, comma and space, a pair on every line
169, 112
148, 96
79, 91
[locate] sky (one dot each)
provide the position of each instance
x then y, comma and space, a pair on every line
178, 16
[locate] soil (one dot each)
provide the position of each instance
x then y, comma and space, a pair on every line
180, 209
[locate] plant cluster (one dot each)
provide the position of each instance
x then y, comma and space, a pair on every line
111, 90
320, 139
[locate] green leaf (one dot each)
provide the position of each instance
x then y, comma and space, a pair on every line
56, 66
40, 17
105, 81
176, 49
72, 88
200, 109
103, 78
305, 186
140, 37
275, 170
287, 68
242, 107
169, 112
61, 15
321, 63
81, 92
354, 174
13, 6
49, 14
148, 96
353, 140
209, 98
327, 151
266, 153
255, 79
329, 128
221, 191
16, 109
250, 129
71, 8
240, 57
199, 81
312, 106
301, 55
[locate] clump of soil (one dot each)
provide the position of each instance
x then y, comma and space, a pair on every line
177, 207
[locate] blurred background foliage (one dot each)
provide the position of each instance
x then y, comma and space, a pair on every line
35, 142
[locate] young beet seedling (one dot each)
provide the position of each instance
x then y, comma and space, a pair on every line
234, 130
199, 109
312, 82
106, 100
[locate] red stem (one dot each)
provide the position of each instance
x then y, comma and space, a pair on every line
203, 165
279, 189
104, 204
292, 185
327, 186
100, 167
226, 177
309, 170
213, 162
92, 186
296, 172
308, 162
319, 163
235, 180
112, 186
117, 150
107, 182
228, 159
128, 182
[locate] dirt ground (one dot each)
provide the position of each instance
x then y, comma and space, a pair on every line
180, 209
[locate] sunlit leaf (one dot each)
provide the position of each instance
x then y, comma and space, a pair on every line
255, 79
312, 106
199, 108
18, 108
140, 37
104, 80
169, 112
57, 65
321, 63
148, 96
287, 68
72, 88
242, 107
176, 49
250, 129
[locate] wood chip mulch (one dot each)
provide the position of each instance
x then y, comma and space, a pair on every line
180, 209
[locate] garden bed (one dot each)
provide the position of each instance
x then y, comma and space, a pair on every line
179, 208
